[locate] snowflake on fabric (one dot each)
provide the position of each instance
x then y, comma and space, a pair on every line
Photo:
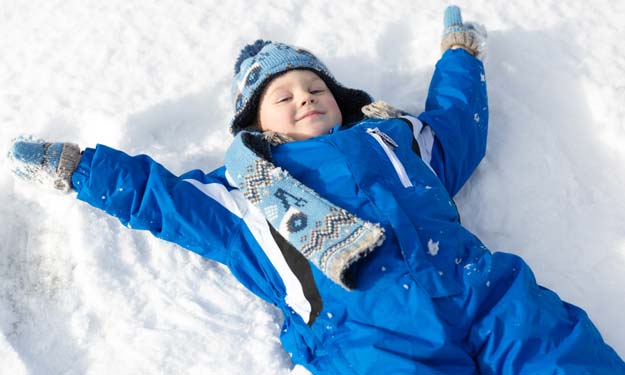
432, 247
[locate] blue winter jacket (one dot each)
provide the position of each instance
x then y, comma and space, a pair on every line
431, 300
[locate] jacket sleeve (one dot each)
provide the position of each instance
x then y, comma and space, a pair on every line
142, 194
457, 111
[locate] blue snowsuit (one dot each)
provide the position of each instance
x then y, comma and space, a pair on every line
430, 300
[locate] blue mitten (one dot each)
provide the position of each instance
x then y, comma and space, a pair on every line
44, 162
468, 35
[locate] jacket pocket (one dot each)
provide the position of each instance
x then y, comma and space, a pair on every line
389, 145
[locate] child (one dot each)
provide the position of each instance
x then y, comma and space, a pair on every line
347, 224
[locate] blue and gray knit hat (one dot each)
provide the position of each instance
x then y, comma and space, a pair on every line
263, 60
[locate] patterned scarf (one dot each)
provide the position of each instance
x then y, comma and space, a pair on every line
328, 236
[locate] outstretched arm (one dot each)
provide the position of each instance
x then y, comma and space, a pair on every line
457, 105
142, 194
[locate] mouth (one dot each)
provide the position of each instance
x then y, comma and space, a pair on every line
309, 114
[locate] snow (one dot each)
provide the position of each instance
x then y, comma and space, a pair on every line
433, 247
81, 294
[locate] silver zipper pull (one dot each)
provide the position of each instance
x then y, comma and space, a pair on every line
385, 137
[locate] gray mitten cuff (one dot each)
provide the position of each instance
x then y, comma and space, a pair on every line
69, 159
464, 39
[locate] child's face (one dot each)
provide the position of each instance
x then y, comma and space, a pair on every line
299, 104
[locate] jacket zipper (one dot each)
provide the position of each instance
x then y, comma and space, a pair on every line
389, 145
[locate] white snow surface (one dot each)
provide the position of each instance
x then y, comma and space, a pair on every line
81, 294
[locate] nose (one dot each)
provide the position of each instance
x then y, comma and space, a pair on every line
309, 99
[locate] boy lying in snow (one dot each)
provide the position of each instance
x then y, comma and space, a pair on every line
346, 222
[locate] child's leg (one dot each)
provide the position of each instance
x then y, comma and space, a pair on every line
519, 327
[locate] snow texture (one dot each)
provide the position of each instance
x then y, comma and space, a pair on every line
81, 294
433, 247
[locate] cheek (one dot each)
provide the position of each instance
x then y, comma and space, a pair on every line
337, 112
273, 118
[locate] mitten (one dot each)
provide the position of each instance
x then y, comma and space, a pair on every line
382, 110
43, 162
470, 36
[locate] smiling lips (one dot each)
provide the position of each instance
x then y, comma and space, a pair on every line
309, 114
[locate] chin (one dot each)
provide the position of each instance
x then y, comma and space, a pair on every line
311, 130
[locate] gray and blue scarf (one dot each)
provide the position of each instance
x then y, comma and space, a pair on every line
328, 236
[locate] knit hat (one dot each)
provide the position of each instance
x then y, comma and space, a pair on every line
263, 60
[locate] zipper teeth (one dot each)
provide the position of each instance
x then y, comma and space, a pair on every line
399, 167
